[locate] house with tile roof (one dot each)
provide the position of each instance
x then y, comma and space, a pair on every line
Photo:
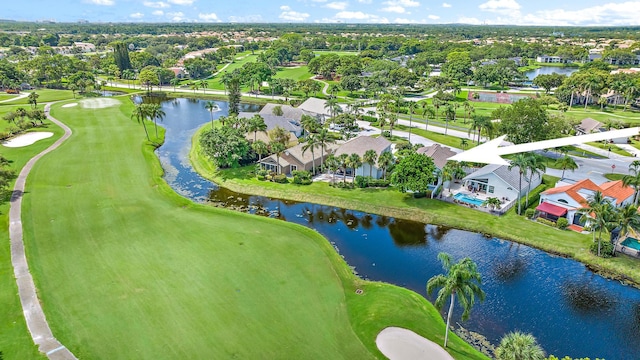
440, 154
500, 181
272, 121
567, 201
288, 111
295, 158
360, 145
589, 126
315, 107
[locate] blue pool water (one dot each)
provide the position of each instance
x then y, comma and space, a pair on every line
632, 243
467, 199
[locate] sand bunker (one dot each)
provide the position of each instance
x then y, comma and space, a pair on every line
69, 105
402, 344
27, 139
99, 103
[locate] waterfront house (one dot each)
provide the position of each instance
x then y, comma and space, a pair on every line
288, 111
294, 159
360, 145
315, 107
273, 121
499, 181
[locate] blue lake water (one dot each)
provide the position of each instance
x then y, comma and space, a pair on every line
569, 309
547, 70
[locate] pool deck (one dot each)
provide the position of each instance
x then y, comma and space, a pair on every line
449, 196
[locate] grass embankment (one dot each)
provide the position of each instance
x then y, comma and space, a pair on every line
125, 266
390, 202
610, 147
46, 95
15, 342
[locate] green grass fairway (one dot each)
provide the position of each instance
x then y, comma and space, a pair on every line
46, 95
127, 269
298, 73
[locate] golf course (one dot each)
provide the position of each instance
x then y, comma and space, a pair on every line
127, 269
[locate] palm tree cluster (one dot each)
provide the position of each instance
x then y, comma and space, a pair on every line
529, 164
151, 112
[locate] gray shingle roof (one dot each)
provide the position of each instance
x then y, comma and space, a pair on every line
361, 144
439, 154
589, 125
511, 177
287, 111
315, 106
273, 121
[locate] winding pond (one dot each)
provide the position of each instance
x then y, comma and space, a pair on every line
569, 309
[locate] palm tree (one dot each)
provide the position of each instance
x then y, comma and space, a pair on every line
412, 107
566, 162
309, 123
392, 119
140, 113
256, 123
493, 203
519, 346
536, 165
462, 280
633, 179
211, 107
203, 84
477, 124
437, 103
427, 111
520, 161
628, 219
370, 156
450, 115
174, 81
155, 113
332, 165
277, 148
446, 174
312, 143
355, 162
385, 160
280, 135
464, 143
468, 109
598, 208
261, 148
343, 161
324, 138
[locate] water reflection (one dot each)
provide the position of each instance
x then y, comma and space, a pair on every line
588, 299
408, 233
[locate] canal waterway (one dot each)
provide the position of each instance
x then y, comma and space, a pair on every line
547, 70
569, 309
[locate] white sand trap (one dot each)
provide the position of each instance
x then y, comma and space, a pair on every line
27, 139
99, 103
402, 344
69, 105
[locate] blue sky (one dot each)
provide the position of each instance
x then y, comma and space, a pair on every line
519, 12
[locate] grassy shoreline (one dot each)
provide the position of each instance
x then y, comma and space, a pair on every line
390, 202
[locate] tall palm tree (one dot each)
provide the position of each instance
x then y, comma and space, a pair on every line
312, 143
437, 103
633, 179
411, 107
141, 112
566, 162
519, 346
256, 123
628, 219
261, 148
324, 138
477, 124
462, 280
280, 135
156, 113
211, 107
597, 209
309, 123
521, 161
355, 162
343, 160
536, 166
446, 174
332, 165
392, 119
385, 160
427, 111
370, 156
464, 143
277, 148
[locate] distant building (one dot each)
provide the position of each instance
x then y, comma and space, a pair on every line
179, 72
85, 47
551, 59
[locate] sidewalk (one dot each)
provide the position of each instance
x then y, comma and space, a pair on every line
605, 153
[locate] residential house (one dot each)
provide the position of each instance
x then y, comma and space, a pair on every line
567, 201
613, 97
85, 47
590, 126
315, 107
499, 181
264, 136
440, 155
288, 111
360, 145
294, 159
273, 121
179, 72
551, 59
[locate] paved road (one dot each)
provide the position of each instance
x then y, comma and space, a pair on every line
22, 95
33, 314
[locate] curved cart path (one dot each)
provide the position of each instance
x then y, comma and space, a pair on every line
33, 314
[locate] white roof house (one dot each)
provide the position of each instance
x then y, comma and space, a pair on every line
315, 106
500, 181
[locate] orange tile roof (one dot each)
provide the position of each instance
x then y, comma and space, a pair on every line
613, 189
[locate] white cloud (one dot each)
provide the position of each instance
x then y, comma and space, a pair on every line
446, 5
176, 16
156, 4
433, 17
182, 2
500, 5
469, 20
290, 15
211, 17
158, 13
405, 3
353, 15
408, 21
101, 2
337, 5
245, 19
137, 15
320, 1
395, 9
364, 1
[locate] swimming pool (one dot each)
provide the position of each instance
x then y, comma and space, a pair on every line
632, 243
468, 199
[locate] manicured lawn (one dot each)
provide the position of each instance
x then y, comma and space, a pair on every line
297, 73
6, 96
4, 109
46, 95
127, 269
390, 202
15, 342
610, 147
214, 83
614, 176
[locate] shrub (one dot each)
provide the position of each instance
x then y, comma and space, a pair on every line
606, 249
403, 145
529, 213
419, 194
546, 222
361, 181
370, 119
342, 185
534, 198
301, 177
280, 179
261, 177
386, 133
562, 223
378, 183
